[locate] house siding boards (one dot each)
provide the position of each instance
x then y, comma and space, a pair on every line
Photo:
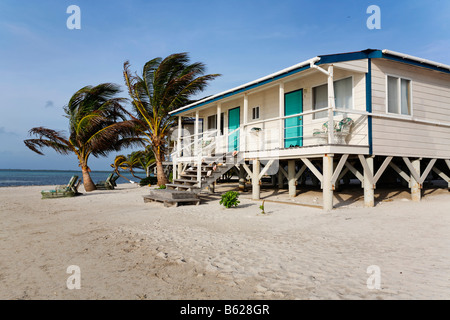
430, 101
355, 65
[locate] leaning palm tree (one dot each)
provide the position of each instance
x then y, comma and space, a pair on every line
128, 163
120, 163
165, 85
97, 126
139, 160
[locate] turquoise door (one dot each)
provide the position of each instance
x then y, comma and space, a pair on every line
234, 119
293, 127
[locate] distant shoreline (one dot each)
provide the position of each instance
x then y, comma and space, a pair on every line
33, 177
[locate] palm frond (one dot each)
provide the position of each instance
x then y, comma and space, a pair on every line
48, 138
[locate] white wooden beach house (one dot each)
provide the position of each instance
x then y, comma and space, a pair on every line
362, 113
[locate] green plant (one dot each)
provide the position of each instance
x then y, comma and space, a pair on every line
148, 181
163, 186
230, 199
262, 208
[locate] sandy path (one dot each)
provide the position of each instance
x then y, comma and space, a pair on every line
128, 249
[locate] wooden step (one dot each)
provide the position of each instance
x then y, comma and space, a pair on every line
169, 194
202, 168
194, 173
212, 159
175, 185
171, 202
183, 175
184, 181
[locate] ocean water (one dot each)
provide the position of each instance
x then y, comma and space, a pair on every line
54, 177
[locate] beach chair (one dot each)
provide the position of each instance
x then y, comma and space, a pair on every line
341, 131
109, 183
69, 190
321, 134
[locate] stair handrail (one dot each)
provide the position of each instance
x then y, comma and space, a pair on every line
214, 143
199, 141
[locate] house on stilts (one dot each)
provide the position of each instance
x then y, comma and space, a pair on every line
367, 114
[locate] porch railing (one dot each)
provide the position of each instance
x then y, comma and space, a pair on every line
350, 127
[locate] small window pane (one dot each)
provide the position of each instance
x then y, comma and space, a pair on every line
405, 101
393, 94
343, 93
255, 113
320, 101
212, 122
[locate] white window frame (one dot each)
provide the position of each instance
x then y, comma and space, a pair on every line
254, 111
399, 114
314, 119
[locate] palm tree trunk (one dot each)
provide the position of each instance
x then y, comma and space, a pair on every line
162, 179
132, 173
160, 175
118, 173
87, 180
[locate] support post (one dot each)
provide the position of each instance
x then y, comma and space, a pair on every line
281, 113
174, 169
326, 183
369, 198
199, 169
255, 180
242, 175
179, 136
243, 131
291, 178
219, 120
196, 148
178, 167
331, 105
415, 185
280, 179
245, 118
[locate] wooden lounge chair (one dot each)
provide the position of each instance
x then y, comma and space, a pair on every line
69, 190
109, 183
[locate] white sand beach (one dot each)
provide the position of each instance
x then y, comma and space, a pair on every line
128, 249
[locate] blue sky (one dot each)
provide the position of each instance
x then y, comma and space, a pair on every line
42, 62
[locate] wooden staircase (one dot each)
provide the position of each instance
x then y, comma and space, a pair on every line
212, 168
198, 173
186, 188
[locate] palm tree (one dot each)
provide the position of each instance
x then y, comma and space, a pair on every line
97, 126
140, 160
165, 85
135, 160
120, 162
